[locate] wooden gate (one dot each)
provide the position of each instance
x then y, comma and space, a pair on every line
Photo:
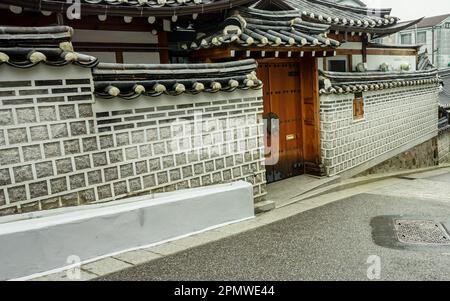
282, 101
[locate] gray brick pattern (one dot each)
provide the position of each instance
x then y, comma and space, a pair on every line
57, 149
392, 118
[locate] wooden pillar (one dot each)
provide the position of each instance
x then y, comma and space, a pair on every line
364, 49
164, 47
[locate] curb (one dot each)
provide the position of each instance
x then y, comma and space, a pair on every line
352, 182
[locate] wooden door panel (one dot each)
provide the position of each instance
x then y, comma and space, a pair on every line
282, 97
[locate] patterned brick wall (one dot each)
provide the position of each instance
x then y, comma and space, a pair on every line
392, 119
61, 147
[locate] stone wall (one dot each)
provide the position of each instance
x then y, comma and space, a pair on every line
443, 143
420, 156
59, 146
395, 120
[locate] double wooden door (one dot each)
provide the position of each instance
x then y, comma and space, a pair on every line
283, 115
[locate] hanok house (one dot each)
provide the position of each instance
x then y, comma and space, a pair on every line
333, 102
298, 81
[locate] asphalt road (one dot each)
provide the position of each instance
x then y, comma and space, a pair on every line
332, 242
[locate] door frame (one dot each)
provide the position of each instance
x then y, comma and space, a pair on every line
309, 126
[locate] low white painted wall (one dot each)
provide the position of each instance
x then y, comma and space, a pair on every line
43, 243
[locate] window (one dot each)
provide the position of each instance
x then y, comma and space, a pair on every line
447, 25
406, 39
422, 37
337, 65
358, 106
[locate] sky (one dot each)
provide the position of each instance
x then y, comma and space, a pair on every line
412, 9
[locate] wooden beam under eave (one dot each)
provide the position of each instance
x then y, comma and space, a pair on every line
232, 52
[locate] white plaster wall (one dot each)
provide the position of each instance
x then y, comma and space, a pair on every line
141, 57
374, 61
112, 36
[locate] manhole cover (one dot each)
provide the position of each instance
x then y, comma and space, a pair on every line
421, 232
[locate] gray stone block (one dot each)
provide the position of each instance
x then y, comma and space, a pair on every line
198, 168
89, 144
120, 188
70, 199
94, 177
5, 178
126, 170
17, 194
135, 184
99, 159
78, 128
72, 147
155, 164
18, 135
39, 133
52, 150
86, 196
206, 180
159, 148
104, 192
85, 110
110, 174
59, 130
29, 207
162, 178
115, 156
2, 138
38, 189
31, 152
26, 115
131, 153
145, 150
187, 171
149, 181
6, 117
51, 203
152, 135
168, 162
77, 181
175, 174
23, 173
67, 112
47, 114
9, 156
138, 137
106, 141
122, 139
44, 169
141, 167
209, 166
82, 162
195, 182
64, 166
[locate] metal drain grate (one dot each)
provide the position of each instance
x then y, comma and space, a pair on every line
421, 232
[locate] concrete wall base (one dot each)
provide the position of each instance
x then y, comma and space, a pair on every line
45, 242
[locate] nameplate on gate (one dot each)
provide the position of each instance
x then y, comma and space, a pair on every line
290, 137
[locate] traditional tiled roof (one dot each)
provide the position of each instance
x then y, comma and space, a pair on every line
25, 47
294, 23
351, 82
247, 30
423, 62
129, 81
131, 8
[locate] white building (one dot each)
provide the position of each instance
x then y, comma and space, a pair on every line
433, 33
